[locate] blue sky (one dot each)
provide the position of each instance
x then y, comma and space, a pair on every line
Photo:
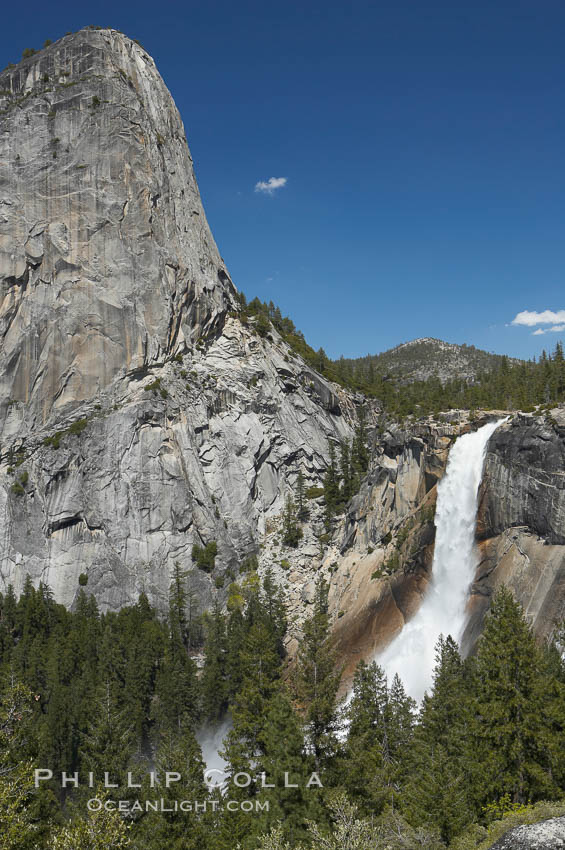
422, 146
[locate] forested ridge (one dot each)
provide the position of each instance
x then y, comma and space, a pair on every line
504, 385
118, 692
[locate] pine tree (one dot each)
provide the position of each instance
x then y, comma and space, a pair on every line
360, 451
177, 753
17, 829
214, 679
438, 793
346, 490
108, 743
331, 487
99, 830
292, 533
317, 680
283, 755
511, 721
302, 512
365, 767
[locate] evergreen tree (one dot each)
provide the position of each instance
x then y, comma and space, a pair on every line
360, 451
438, 793
177, 754
17, 828
100, 830
331, 487
108, 743
292, 533
365, 769
214, 679
512, 726
346, 490
317, 680
302, 508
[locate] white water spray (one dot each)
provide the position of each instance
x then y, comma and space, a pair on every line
442, 611
211, 739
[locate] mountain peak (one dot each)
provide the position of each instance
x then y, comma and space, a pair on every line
107, 263
426, 357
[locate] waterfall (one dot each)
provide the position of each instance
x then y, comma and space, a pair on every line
442, 611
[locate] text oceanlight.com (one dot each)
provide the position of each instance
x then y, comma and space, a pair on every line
96, 804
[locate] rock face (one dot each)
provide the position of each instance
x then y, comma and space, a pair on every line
138, 414
380, 565
547, 835
107, 264
521, 522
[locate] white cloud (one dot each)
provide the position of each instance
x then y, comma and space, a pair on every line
546, 317
555, 329
269, 186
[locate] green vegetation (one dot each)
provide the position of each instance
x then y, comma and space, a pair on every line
75, 429
81, 691
156, 388
343, 479
205, 557
292, 533
249, 564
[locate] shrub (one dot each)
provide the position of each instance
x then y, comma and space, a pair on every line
250, 564
285, 564
314, 492
17, 489
205, 557
95, 101
340, 615
83, 579
154, 386
54, 441
77, 427
27, 52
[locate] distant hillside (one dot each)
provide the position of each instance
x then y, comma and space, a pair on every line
426, 358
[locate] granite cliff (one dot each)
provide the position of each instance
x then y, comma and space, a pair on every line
138, 414
521, 521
